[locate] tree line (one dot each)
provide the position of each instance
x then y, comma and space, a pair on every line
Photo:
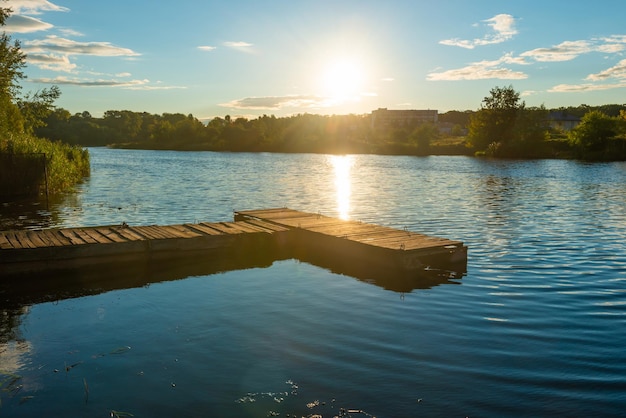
298, 133
505, 127
502, 127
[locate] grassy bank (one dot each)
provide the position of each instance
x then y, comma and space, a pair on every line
66, 165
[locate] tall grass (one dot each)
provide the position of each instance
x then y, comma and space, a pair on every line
66, 165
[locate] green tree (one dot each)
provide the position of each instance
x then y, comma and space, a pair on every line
35, 109
423, 135
12, 61
530, 133
591, 137
495, 121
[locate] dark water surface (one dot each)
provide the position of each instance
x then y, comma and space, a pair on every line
537, 326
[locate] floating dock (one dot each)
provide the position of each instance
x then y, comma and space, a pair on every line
267, 234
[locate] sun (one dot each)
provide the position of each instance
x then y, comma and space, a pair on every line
342, 79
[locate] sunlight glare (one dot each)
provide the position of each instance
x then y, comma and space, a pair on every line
342, 164
343, 80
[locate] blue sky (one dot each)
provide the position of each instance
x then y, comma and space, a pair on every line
249, 58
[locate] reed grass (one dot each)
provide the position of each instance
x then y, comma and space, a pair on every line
66, 165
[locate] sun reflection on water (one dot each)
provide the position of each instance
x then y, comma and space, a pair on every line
342, 164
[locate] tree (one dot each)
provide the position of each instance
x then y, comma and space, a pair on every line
12, 61
591, 137
36, 108
423, 135
495, 121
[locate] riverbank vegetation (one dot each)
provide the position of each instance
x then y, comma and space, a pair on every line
29, 164
503, 127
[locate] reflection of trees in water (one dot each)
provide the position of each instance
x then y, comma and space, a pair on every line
29, 213
13, 348
10, 321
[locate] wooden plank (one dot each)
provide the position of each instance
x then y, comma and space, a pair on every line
265, 213
274, 214
13, 241
111, 234
227, 228
71, 236
266, 225
100, 238
128, 233
149, 232
55, 237
24, 240
204, 228
4, 242
85, 236
251, 228
38, 239
179, 231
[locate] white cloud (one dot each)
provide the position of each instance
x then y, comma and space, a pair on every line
617, 71
278, 102
239, 45
579, 88
35, 7
70, 32
503, 25
51, 62
69, 47
565, 51
482, 70
207, 48
90, 83
25, 24
112, 82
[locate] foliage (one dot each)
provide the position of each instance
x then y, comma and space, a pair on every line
423, 135
594, 137
495, 121
36, 108
66, 164
12, 60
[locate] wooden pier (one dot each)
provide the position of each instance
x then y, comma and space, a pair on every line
267, 234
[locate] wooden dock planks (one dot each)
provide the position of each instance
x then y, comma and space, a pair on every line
362, 242
254, 230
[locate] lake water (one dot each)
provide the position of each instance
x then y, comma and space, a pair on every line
536, 327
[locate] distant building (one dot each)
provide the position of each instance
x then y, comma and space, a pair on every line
563, 121
384, 117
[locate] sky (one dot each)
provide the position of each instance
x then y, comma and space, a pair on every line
249, 58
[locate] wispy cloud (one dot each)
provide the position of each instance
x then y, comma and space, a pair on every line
35, 7
585, 87
207, 48
69, 47
239, 45
565, 51
483, 70
617, 71
70, 32
275, 102
503, 26
112, 82
25, 24
51, 62
288, 101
